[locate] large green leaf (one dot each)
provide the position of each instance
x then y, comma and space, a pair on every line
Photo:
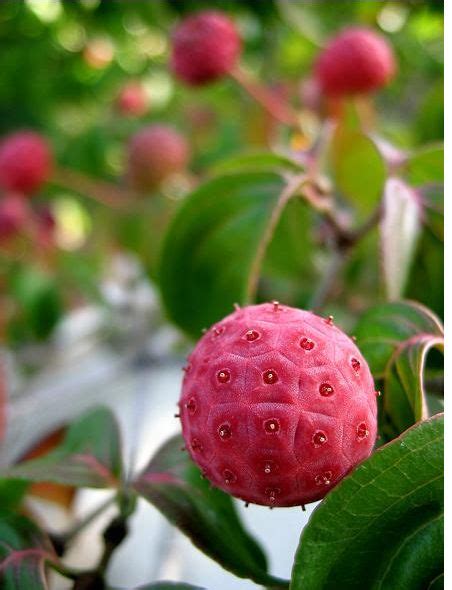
24, 550
427, 165
399, 232
89, 456
210, 247
405, 399
386, 327
173, 484
257, 161
358, 168
382, 526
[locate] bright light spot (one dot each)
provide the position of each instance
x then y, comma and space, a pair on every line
115, 159
176, 186
392, 17
99, 52
134, 25
71, 36
46, 10
72, 223
90, 4
153, 44
159, 86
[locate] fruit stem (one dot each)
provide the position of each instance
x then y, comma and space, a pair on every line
104, 192
289, 191
273, 104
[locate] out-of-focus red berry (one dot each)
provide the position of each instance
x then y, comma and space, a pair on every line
25, 162
155, 153
205, 47
132, 100
357, 61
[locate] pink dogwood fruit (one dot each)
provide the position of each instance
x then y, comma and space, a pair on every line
205, 47
25, 162
277, 405
357, 61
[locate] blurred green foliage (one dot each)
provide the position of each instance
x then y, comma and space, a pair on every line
63, 63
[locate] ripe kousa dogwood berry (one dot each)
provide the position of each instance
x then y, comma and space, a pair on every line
205, 47
357, 61
277, 405
155, 153
25, 162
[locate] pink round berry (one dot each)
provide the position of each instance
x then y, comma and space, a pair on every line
357, 61
132, 100
205, 47
282, 411
155, 153
25, 162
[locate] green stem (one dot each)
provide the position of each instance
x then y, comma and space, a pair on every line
287, 193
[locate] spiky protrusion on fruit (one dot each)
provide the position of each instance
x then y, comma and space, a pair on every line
205, 47
277, 405
357, 61
132, 100
25, 162
155, 153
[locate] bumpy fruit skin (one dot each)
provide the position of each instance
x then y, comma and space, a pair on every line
25, 162
277, 405
357, 61
132, 100
155, 153
205, 47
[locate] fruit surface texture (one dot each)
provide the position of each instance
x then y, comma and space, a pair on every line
277, 405
205, 47
25, 162
357, 61
155, 153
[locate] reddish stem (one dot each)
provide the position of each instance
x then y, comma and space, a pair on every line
101, 191
277, 108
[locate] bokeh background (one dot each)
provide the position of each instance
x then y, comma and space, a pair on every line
81, 322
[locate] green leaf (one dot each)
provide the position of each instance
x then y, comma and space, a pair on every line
399, 233
12, 492
427, 165
211, 244
382, 526
37, 297
173, 484
358, 168
384, 328
405, 398
24, 550
257, 161
89, 456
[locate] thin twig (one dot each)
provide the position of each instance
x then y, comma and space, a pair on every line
101, 191
274, 105
289, 191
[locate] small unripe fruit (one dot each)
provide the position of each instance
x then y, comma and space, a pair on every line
14, 215
205, 47
25, 162
155, 153
357, 61
132, 100
277, 405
